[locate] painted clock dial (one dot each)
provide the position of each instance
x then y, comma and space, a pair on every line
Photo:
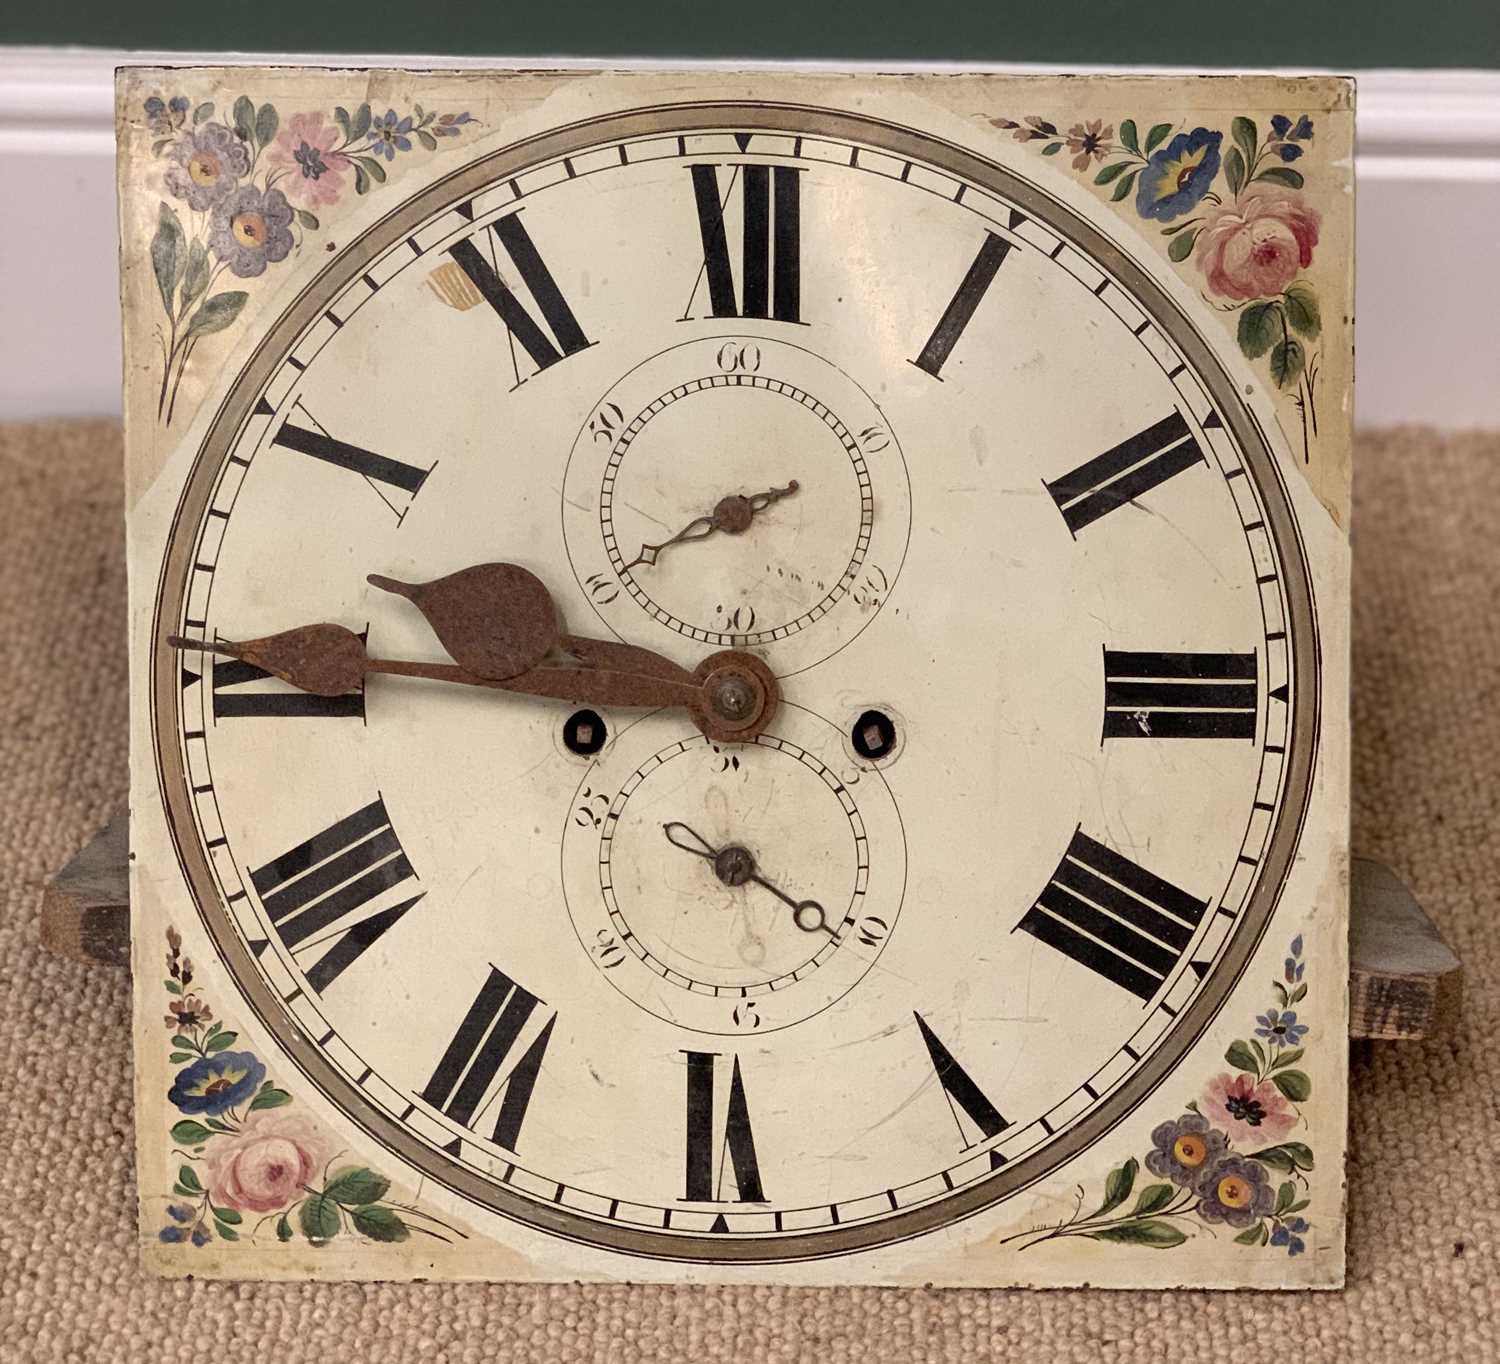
1012, 543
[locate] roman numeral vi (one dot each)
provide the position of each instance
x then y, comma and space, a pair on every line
706, 1167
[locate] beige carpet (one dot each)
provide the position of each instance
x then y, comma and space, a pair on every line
1425, 1164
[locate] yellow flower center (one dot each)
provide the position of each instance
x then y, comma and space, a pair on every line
1235, 1192
1190, 1150
249, 229
205, 169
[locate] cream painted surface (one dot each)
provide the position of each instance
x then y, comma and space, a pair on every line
983, 637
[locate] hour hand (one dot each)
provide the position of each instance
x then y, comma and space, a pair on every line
732, 514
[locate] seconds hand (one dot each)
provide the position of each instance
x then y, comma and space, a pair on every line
731, 514
734, 865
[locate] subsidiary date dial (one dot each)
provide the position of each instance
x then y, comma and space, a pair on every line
733, 888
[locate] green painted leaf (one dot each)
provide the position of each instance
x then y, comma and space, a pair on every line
1240, 1057
166, 253
270, 1097
178, 1040
1234, 170
203, 111
188, 1179
178, 1057
195, 276
1301, 305
320, 1219
228, 1233
341, 117
1290, 1058
427, 140
1246, 138
186, 1193
1128, 137
1052, 149
1288, 1156
214, 314
361, 120
1260, 1051
283, 1223
244, 118
357, 1185
1286, 1195
1298, 1206
1282, 175
1154, 1197
1158, 1235
230, 1215
1295, 1084
1182, 246
1249, 1237
173, 987
380, 1224
1111, 172
215, 1028
266, 124
1257, 334
1154, 137
361, 180
1280, 992
224, 1039
1124, 186
1300, 1154
1287, 360
308, 220
1298, 995
189, 1133
373, 166
1118, 1186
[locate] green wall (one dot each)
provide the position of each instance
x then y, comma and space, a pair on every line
1337, 34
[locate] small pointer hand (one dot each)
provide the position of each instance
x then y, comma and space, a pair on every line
731, 514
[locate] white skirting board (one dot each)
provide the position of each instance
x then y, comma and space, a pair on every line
1428, 186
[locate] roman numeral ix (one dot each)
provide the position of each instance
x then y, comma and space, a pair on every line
1178, 696
706, 1165
277, 700
1114, 917
491, 1030
567, 336
771, 255
1123, 473
329, 878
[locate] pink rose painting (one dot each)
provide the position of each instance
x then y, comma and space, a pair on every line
313, 173
266, 1165
1251, 1114
1257, 245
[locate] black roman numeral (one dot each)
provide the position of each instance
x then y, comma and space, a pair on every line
705, 1174
1178, 696
962, 305
567, 336
1114, 917
961, 1091
229, 673
461, 1085
771, 261
335, 873
1131, 468
378, 468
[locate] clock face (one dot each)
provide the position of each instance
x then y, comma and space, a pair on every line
938, 451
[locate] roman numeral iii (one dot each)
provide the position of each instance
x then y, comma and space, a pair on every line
491, 1030
771, 256
567, 336
336, 873
961, 1092
735, 1155
1119, 920
1122, 473
1178, 696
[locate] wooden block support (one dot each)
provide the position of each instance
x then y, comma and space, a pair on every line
1404, 981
